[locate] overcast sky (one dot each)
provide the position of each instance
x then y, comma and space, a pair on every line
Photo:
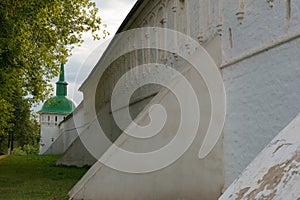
84, 58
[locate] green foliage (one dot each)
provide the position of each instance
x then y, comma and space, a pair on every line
18, 151
36, 36
30, 149
27, 149
6, 110
25, 129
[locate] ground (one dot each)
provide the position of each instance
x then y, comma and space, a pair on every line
36, 178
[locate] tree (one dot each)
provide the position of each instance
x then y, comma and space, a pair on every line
36, 37
25, 130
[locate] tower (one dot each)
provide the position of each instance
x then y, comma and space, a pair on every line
53, 112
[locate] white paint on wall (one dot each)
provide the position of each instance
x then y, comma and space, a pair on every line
260, 66
263, 92
67, 132
274, 173
49, 129
187, 178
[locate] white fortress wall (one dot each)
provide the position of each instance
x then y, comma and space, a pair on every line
261, 74
68, 132
49, 133
274, 173
188, 177
152, 13
188, 170
258, 56
74, 152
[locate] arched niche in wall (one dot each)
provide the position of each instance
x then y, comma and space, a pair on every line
144, 40
170, 14
160, 19
160, 22
152, 53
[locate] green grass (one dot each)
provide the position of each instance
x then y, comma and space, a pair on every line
35, 178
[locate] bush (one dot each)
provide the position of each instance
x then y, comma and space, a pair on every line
27, 149
30, 149
18, 151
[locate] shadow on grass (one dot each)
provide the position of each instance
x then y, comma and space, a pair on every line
36, 177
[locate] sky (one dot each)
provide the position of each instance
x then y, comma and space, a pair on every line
85, 57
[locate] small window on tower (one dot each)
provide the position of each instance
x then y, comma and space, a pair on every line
48, 118
56, 118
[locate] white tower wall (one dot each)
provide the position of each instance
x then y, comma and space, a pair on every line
49, 129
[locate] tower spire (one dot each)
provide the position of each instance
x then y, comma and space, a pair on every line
62, 73
61, 85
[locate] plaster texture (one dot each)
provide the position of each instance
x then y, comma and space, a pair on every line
68, 132
256, 46
49, 130
260, 67
187, 178
274, 173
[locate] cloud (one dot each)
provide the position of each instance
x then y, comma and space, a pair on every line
85, 57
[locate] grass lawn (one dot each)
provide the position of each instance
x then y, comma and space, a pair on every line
36, 177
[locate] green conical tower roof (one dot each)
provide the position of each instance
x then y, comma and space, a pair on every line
60, 103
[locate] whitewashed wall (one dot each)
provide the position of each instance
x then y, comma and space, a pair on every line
258, 56
201, 178
67, 132
274, 173
198, 19
49, 130
261, 74
187, 178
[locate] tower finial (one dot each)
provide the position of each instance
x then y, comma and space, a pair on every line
62, 73
61, 85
